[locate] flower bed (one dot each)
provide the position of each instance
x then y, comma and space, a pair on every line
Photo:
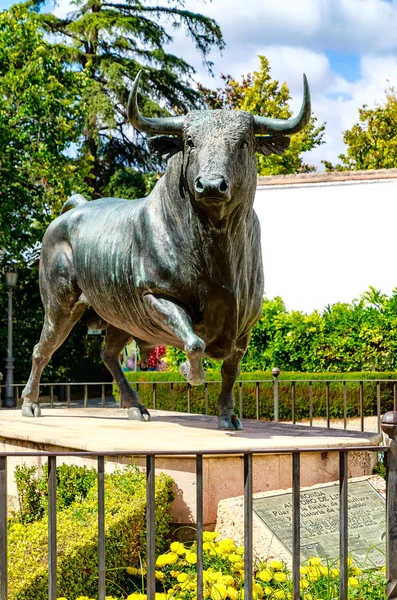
223, 576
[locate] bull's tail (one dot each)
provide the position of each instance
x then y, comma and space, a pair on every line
72, 202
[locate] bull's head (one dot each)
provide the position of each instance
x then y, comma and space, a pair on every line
219, 148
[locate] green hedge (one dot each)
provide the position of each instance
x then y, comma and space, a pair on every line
77, 538
177, 399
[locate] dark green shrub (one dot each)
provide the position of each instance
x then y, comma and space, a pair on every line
73, 484
125, 530
177, 397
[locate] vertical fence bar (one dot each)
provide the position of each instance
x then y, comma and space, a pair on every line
3, 528
378, 415
85, 396
17, 396
275, 372
103, 395
154, 395
257, 396
206, 398
389, 427
199, 520
343, 524
395, 396
172, 396
296, 516
51, 396
150, 527
52, 528
189, 398
361, 406
311, 403
101, 528
293, 402
240, 398
344, 405
68, 395
248, 554
327, 403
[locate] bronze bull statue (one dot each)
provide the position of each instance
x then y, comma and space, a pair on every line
182, 267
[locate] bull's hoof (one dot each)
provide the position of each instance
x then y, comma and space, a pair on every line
31, 409
138, 413
194, 377
229, 423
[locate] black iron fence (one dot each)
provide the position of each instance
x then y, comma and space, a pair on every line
389, 426
271, 399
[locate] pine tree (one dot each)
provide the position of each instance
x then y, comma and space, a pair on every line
112, 41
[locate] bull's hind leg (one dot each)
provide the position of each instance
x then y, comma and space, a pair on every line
230, 371
175, 320
115, 342
58, 323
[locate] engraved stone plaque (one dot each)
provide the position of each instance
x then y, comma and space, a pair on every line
320, 522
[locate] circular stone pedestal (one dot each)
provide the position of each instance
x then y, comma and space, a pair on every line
103, 430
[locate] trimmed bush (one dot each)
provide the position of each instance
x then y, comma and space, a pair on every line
77, 538
177, 397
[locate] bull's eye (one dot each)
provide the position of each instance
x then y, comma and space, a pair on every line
244, 144
190, 143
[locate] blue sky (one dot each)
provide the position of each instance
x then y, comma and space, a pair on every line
347, 48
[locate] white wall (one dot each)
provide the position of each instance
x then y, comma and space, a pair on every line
327, 243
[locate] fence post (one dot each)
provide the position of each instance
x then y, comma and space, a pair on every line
389, 427
275, 372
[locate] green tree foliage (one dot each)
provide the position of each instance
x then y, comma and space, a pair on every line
361, 336
111, 42
260, 94
372, 142
40, 118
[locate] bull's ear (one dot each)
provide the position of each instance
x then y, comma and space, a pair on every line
272, 144
166, 146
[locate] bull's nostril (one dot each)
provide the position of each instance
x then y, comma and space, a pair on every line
198, 185
223, 187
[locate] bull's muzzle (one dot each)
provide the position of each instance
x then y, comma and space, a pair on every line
214, 188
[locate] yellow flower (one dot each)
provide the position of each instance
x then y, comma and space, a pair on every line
304, 570
159, 575
356, 571
315, 561
209, 536
62, 598
240, 550
238, 566
353, 581
226, 546
334, 572
279, 594
304, 584
265, 575
161, 560
160, 596
130, 571
280, 577
191, 558
257, 590
276, 565
226, 579
268, 590
308, 597
178, 548
233, 557
182, 577
207, 546
171, 558
232, 593
219, 590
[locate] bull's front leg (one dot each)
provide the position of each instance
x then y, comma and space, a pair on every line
230, 371
175, 319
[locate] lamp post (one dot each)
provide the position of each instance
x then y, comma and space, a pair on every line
11, 278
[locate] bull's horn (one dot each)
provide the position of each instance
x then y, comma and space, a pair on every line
268, 125
162, 125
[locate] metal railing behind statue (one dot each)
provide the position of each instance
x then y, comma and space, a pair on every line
389, 426
313, 402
